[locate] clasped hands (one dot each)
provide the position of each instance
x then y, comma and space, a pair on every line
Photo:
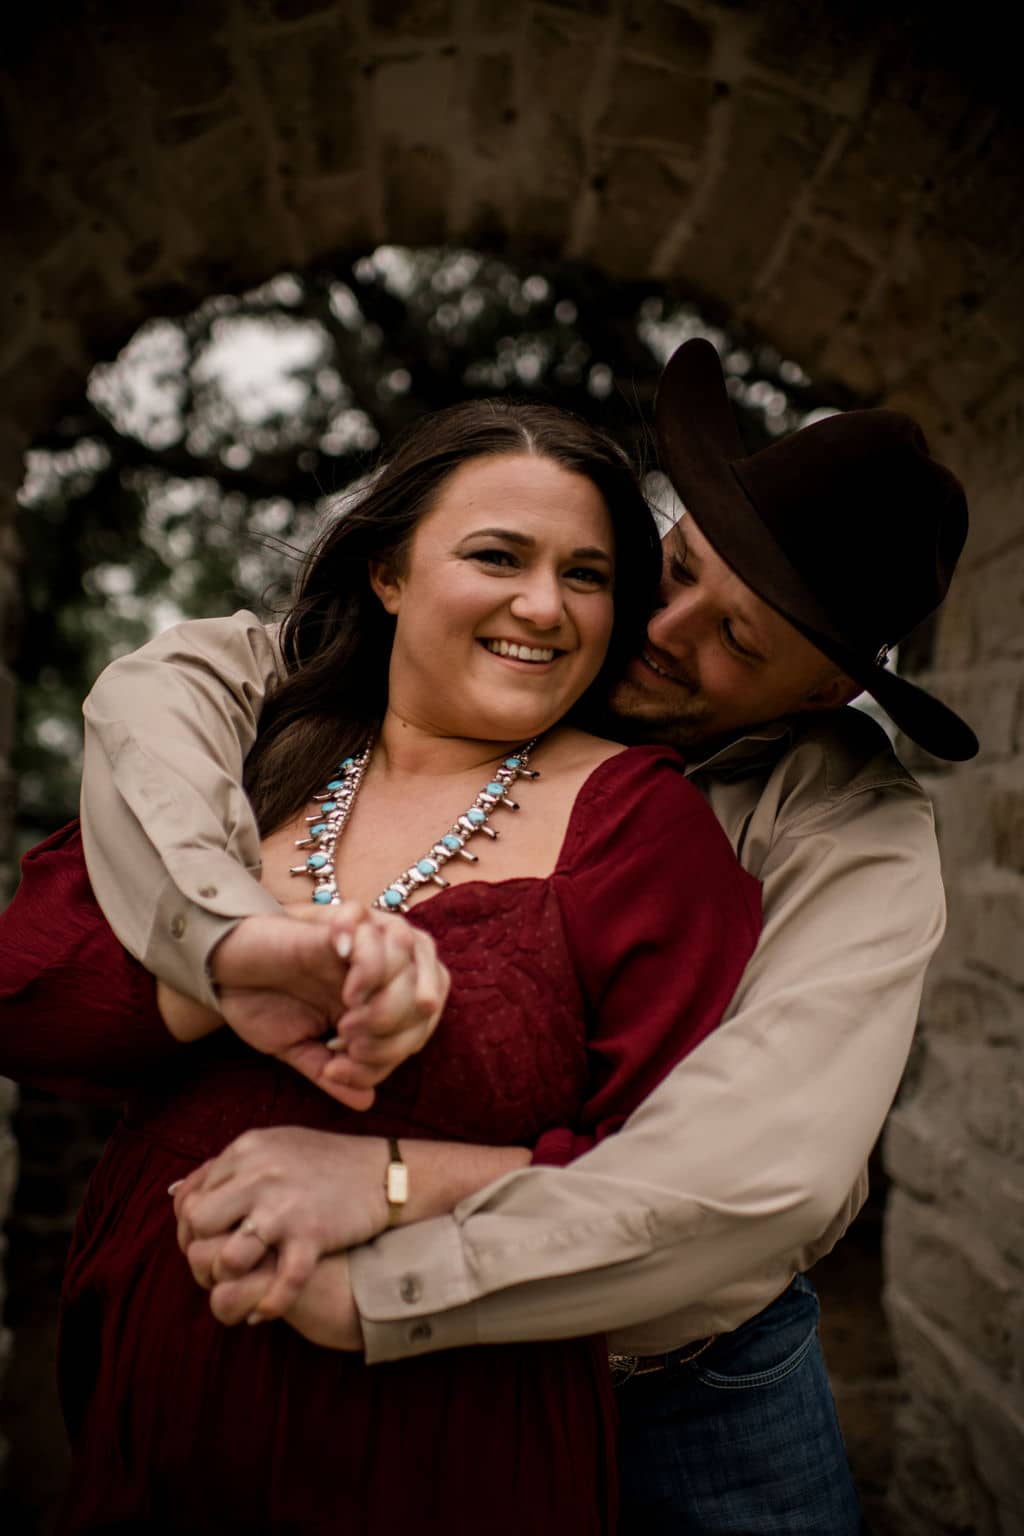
341, 994
264, 1227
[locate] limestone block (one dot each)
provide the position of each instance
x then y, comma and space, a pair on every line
957, 1282
183, 66
1006, 813
668, 32
772, 146
416, 182
994, 917
416, 18
822, 283
989, 699
639, 201
994, 1102
310, 88
990, 1196
492, 104
995, 1427
412, 100
917, 1157
972, 1008
648, 104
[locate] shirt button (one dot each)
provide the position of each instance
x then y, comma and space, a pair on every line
177, 925
420, 1333
409, 1288
207, 890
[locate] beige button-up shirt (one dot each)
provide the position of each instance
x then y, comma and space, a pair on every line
745, 1165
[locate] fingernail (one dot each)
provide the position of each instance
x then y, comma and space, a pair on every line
343, 945
176, 1185
336, 1043
254, 1318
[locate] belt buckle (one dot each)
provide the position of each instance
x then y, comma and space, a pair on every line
622, 1367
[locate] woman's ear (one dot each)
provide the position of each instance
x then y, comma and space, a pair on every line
386, 584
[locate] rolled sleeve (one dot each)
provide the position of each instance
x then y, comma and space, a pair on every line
170, 839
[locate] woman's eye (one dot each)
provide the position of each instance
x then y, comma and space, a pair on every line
495, 557
588, 574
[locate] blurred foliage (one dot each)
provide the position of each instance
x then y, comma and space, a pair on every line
191, 475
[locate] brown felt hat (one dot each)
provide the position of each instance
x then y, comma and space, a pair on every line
848, 528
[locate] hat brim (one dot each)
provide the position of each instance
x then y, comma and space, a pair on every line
699, 442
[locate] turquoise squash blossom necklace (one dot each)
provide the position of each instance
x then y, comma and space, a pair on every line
336, 803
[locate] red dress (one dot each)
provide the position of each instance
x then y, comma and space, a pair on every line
572, 996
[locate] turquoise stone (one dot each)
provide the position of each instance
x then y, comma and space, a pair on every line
451, 842
513, 762
328, 806
322, 897
393, 897
316, 861
318, 830
494, 788
336, 784
476, 816
348, 763
427, 866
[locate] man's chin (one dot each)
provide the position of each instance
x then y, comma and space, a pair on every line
637, 717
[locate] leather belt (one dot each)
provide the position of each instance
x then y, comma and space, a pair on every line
625, 1367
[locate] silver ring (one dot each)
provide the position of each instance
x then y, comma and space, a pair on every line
249, 1228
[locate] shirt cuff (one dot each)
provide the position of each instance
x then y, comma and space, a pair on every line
194, 911
413, 1291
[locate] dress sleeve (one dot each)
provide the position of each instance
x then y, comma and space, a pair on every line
661, 921
78, 1015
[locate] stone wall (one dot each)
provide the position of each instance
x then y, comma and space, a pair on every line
844, 178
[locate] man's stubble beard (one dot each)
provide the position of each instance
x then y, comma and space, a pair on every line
637, 717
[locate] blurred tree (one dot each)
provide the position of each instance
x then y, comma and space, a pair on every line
191, 475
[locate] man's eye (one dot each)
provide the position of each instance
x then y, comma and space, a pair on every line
679, 571
733, 643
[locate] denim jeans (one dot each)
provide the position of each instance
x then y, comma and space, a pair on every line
743, 1440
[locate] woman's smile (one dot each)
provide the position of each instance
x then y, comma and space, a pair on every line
522, 651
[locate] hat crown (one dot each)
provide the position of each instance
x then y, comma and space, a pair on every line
870, 521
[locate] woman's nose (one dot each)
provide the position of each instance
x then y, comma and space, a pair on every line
539, 602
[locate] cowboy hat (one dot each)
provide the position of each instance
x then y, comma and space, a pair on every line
848, 528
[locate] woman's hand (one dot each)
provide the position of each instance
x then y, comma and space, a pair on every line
394, 996
297, 1192
324, 1312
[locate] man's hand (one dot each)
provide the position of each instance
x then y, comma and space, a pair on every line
302, 1193
324, 1312
287, 982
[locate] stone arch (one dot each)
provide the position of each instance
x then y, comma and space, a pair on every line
843, 180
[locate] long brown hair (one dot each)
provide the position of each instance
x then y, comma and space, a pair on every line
336, 640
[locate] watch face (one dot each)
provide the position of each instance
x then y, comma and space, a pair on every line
397, 1184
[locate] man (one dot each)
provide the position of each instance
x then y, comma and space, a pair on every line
795, 572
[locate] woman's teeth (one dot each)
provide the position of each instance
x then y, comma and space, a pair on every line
520, 652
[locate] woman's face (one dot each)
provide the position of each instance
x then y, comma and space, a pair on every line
504, 603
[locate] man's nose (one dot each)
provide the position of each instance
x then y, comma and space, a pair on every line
539, 602
675, 623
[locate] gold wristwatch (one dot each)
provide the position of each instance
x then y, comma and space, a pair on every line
396, 1181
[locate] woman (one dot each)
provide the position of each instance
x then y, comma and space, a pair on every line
449, 635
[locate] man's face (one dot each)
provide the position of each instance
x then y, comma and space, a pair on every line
717, 658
